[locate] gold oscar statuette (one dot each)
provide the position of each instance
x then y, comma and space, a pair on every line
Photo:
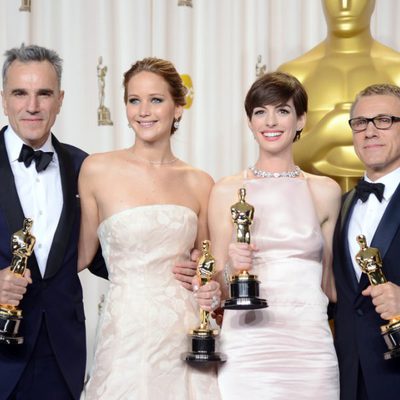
22, 243
333, 72
103, 113
370, 262
203, 337
244, 288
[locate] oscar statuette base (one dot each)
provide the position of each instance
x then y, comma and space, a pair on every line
103, 116
203, 348
10, 319
391, 335
244, 290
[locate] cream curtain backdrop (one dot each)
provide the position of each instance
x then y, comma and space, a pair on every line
216, 42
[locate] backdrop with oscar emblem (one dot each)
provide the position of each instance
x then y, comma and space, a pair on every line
219, 47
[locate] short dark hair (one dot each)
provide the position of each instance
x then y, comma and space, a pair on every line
26, 54
276, 88
166, 70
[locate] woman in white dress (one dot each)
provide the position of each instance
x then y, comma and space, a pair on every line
284, 351
148, 209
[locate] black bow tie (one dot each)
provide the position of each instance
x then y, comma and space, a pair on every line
364, 189
42, 159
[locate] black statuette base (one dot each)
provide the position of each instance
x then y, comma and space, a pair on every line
391, 335
9, 330
203, 350
244, 294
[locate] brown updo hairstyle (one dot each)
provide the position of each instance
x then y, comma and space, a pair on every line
277, 88
166, 70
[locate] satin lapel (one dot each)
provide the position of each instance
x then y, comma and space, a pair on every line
63, 231
347, 210
388, 225
9, 201
385, 231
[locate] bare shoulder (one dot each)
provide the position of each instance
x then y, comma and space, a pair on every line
323, 183
228, 185
196, 177
98, 159
101, 162
324, 189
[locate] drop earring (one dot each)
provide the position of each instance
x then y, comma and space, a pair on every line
176, 124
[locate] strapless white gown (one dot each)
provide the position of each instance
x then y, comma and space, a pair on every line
147, 313
283, 352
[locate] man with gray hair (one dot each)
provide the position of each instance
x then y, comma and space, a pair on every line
371, 209
38, 176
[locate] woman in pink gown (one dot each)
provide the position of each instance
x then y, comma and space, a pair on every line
284, 351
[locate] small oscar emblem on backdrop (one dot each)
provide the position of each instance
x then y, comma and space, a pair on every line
261, 68
244, 288
370, 262
187, 81
25, 5
203, 337
185, 3
103, 113
22, 243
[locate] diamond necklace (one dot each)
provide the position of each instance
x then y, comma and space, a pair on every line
156, 162
266, 174
162, 162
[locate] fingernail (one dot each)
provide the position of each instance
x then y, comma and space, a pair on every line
195, 288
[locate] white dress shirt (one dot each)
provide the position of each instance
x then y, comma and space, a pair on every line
40, 194
366, 216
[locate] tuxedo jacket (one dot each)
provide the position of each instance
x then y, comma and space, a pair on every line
56, 298
358, 340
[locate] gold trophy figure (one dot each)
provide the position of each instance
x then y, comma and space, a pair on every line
22, 243
203, 337
348, 60
370, 262
103, 113
243, 288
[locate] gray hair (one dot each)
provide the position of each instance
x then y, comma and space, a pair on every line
26, 54
384, 89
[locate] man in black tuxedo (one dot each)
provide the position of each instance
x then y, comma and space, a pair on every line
374, 211
38, 176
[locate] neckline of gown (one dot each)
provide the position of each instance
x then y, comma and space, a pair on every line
273, 180
138, 207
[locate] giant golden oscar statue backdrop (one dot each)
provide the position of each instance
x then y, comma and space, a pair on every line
333, 72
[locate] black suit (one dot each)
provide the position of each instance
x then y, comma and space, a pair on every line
357, 325
53, 302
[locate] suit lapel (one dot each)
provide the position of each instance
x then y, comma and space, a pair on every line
9, 201
388, 225
385, 232
347, 210
63, 231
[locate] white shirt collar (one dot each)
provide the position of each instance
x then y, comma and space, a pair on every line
14, 144
390, 180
